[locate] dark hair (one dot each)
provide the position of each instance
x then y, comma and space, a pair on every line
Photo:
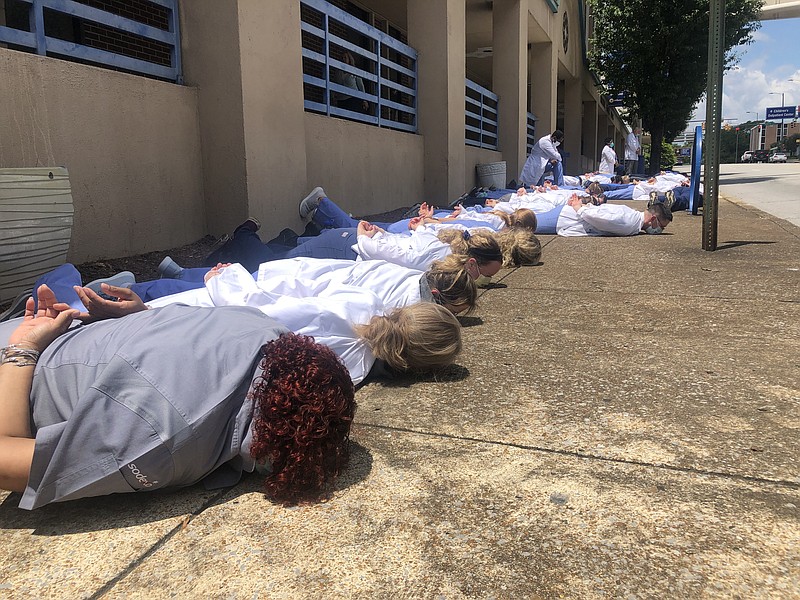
661, 211
303, 406
557, 135
607, 141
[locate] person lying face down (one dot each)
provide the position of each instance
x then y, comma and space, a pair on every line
445, 282
497, 220
579, 219
99, 409
352, 322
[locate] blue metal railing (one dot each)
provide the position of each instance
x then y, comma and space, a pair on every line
385, 67
530, 132
480, 116
166, 41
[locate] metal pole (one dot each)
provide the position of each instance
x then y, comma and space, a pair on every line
716, 57
736, 154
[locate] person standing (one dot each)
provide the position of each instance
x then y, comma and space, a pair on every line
544, 157
608, 158
633, 149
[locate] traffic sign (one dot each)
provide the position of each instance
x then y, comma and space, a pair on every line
781, 112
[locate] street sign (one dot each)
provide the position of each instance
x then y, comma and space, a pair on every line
781, 112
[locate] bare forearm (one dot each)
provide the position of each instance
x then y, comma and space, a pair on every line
15, 391
16, 443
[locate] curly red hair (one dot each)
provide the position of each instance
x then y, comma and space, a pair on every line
303, 408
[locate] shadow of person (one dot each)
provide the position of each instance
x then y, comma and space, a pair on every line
470, 321
119, 511
447, 374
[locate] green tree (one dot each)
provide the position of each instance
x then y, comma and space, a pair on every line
668, 157
656, 51
791, 143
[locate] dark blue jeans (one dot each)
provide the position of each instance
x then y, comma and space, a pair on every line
558, 173
247, 249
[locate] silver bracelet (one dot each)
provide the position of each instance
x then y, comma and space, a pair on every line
19, 356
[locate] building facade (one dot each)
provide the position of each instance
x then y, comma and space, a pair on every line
180, 118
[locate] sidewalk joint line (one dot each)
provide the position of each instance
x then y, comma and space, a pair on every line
574, 454
111, 583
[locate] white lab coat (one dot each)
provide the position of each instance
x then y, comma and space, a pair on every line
543, 151
538, 202
608, 160
632, 147
605, 219
415, 251
328, 319
396, 286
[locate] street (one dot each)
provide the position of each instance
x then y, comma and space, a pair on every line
773, 188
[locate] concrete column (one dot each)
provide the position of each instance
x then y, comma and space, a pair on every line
509, 78
573, 125
274, 115
437, 31
250, 98
589, 132
602, 133
215, 70
544, 89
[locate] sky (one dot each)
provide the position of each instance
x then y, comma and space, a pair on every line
764, 66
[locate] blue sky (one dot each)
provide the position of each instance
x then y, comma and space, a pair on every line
764, 66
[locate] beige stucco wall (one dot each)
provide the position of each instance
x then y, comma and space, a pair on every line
365, 169
131, 145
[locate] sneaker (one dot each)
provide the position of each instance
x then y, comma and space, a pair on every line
251, 223
169, 269
221, 242
309, 204
17, 308
653, 199
670, 199
411, 212
124, 279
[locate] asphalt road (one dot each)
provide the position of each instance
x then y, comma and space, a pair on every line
773, 188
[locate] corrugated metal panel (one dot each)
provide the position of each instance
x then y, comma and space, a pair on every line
35, 225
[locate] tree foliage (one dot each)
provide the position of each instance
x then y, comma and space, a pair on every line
656, 51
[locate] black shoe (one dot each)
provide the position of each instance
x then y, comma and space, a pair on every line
311, 229
653, 199
286, 237
411, 212
251, 224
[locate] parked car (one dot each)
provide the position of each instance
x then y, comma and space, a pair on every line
777, 157
753, 156
747, 156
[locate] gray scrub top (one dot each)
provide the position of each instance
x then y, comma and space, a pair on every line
156, 399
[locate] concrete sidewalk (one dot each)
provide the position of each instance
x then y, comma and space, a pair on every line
624, 423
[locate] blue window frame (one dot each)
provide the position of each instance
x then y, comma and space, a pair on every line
147, 45
355, 71
480, 116
530, 132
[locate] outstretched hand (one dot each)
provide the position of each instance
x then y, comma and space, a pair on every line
215, 270
98, 308
425, 211
40, 327
575, 202
368, 229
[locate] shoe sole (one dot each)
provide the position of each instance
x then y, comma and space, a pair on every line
118, 280
306, 209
